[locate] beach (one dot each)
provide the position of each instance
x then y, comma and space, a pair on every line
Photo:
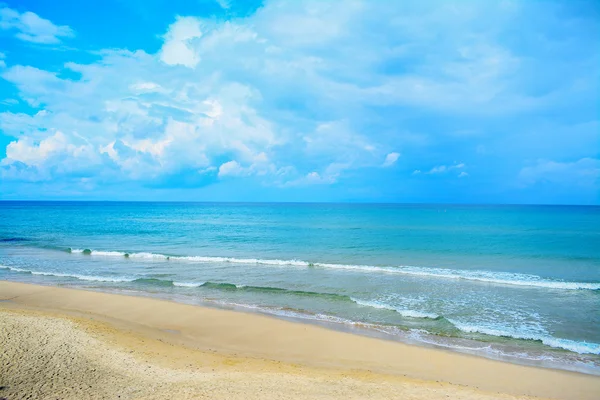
299, 199
510, 283
68, 343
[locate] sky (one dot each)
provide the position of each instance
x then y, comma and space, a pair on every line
301, 100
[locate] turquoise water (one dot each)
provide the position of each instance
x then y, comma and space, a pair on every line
519, 283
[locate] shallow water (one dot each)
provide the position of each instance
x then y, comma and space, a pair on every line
520, 283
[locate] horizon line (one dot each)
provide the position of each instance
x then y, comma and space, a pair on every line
301, 202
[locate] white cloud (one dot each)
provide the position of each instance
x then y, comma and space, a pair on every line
463, 174
437, 170
312, 178
315, 178
231, 168
31, 28
178, 48
416, 172
391, 159
146, 87
465, 72
584, 172
207, 170
301, 91
336, 143
306, 23
27, 152
56, 153
440, 169
146, 127
260, 167
328, 176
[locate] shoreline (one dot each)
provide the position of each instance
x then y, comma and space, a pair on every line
258, 337
493, 351
364, 329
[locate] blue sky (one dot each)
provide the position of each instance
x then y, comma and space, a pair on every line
355, 100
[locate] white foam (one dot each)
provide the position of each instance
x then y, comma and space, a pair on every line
203, 259
420, 335
76, 276
416, 314
14, 269
240, 260
403, 312
503, 278
559, 343
108, 253
188, 284
146, 256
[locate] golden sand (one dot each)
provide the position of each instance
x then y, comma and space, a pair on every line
75, 344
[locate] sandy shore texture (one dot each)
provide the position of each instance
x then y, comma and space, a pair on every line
61, 343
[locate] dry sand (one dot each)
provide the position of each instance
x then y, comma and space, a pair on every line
72, 344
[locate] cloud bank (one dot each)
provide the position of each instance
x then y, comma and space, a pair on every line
309, 93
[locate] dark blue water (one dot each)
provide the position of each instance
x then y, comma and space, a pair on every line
513, 282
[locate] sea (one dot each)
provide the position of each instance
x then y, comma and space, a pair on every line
509, 282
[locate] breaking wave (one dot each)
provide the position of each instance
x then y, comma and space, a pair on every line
502, 278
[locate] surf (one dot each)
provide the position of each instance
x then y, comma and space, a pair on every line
483, 276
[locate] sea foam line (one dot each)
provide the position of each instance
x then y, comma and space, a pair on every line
64, 275
565, 344
228, 286
503, 278
401, 311
202, 259
189, 284
581, 347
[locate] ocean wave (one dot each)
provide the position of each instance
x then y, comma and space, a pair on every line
188, 284
275, 290
502, 278
423, 336
242, 260
201, 259
224, 286
75, 276
13, 239
149, 280
401, 311
580, 347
